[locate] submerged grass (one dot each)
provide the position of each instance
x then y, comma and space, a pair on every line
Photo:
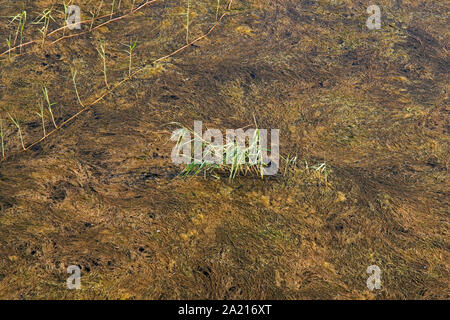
2, 138
19, 130
188, 14
44, 19
131, 47
42, 115
22, 19
74, 77
49, 105
307, 235
102, 53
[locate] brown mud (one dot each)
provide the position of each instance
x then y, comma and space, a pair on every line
103, 193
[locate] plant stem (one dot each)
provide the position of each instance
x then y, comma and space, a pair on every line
74, 75
130, 51
41, 115
112, 9
8, 41
103, 56
16, 123
23, 20
217, 10
187, 20
44, 90
2, 136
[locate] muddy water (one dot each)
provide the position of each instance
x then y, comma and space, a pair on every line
103, 193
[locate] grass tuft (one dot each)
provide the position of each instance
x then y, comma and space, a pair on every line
237, 158
44, 19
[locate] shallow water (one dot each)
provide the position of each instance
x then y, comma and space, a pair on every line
102, 192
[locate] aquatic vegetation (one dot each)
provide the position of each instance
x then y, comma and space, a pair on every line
233, 157
41, 115
16, 123
8, 42
44, 19
105, 179
49, 105
22, 18
2, 138
217, 9
74, 76
131, 47
188, 13
102, 53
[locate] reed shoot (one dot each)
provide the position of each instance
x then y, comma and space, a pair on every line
41, 115
49, 105
8, 42
217, 9
233, 153
74, 75
16, 123
2, 138
188, 12
130, 53
22, 17
102, 54
112, 9
44, 19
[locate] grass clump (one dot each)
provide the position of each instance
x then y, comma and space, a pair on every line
44, 19
234, 157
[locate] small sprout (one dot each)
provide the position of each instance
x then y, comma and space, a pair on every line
66, 12
49, 105
187, 20
2, 138
44, 19
112, 9
41, 115
8, 42
130, 52
22, 17
290, 162
93, 19
74, 75
102, 54
16, 123
217, 9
